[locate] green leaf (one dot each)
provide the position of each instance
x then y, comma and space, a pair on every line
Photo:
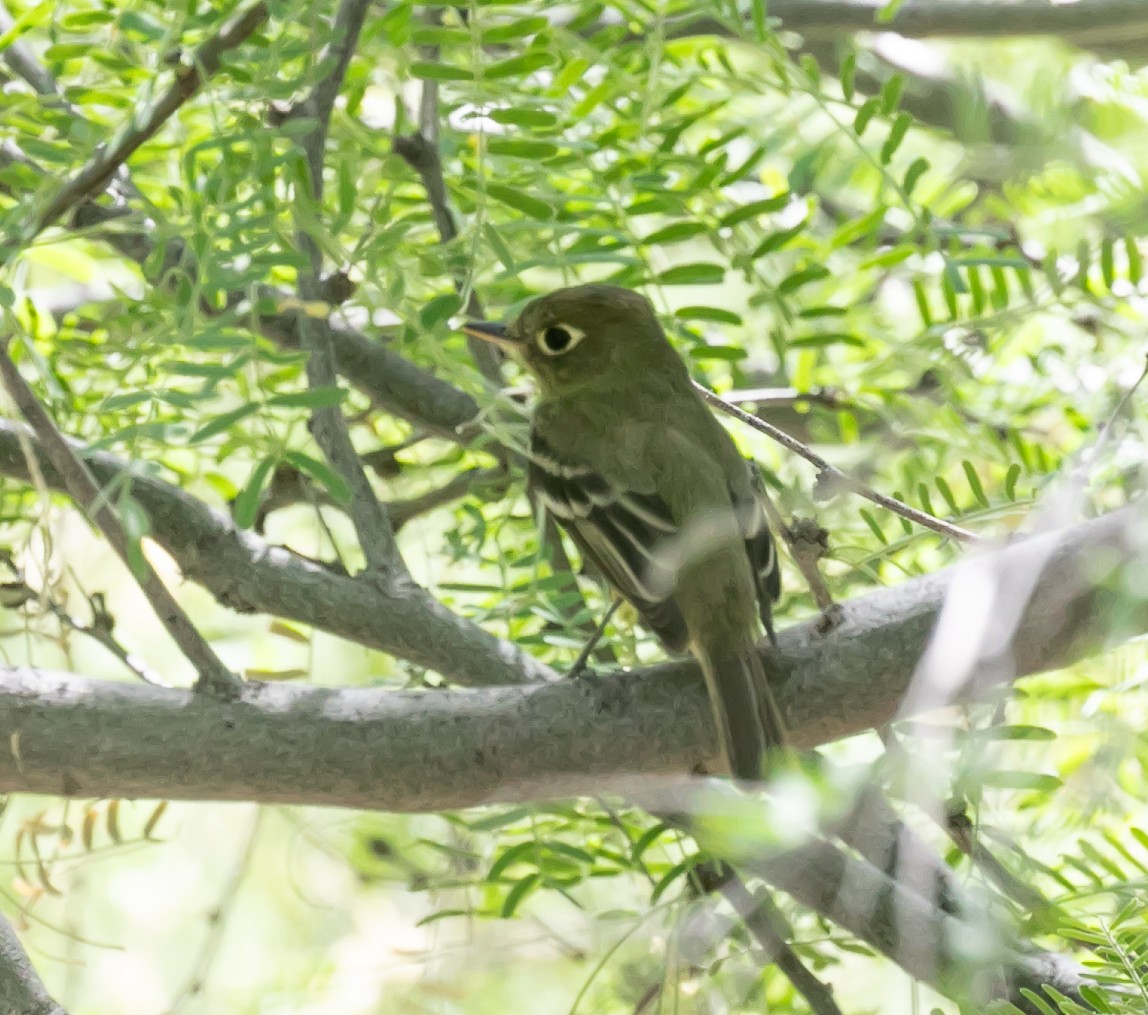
758, 13
516, 894
313, 398
699, 313
728, 353
440, 72
136, 525
498, 245
223, 422
519, 66
518, 29
699, 273
520, 201
896, 135
891, 93
679, 870
865, 114
917, 168
791, 283
869, 520
946, 491
441, 308
676, 232
1010, 479
1006, 779
1019, 732
848, 73
1107, 262
775, 241
247, 503
975, 483
754, 209
500, 819
1135, 262
335, 485
523, 117
826, 339
521, 148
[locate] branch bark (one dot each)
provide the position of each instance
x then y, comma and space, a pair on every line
82, 487
438, 750
1108, 27
250, 575
328, 425
21, 990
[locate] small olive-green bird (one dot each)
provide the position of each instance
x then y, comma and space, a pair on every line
630, 461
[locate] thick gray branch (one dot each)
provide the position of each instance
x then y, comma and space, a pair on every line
435, 750
248, 574
1108, 27
21, 991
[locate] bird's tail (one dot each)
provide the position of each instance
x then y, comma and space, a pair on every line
745, 711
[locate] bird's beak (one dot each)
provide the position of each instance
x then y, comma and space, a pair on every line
491, 331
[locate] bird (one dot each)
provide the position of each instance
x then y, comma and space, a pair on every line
628, 459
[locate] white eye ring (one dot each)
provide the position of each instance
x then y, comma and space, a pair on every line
556, 339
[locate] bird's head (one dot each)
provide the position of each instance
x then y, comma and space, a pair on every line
585, 335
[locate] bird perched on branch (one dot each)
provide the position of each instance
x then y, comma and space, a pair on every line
633, 465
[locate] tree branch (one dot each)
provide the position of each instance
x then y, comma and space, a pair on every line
830, 473
250, 575
83, 488
328, 425
438, 750
96, 175
21, 990
1109, 27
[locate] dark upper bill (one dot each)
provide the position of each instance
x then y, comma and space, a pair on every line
490, 331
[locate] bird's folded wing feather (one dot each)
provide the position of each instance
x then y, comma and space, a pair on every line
618, 531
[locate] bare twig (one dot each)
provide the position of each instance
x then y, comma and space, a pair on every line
831, 472
420, 151
94, 177
960, 830
82, 487
484, 481
101, 629
328, 427
218, 917
765, 922
21, 990
595, 637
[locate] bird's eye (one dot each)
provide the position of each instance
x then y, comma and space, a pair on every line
558, 338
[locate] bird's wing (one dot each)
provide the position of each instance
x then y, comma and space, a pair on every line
617, 530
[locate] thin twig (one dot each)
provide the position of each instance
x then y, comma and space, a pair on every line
1089, 458
833, 473
82, 487
592, 641
960, 829
328, 426
217, 918
15, 594
189, 77
764, 921
420, 151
